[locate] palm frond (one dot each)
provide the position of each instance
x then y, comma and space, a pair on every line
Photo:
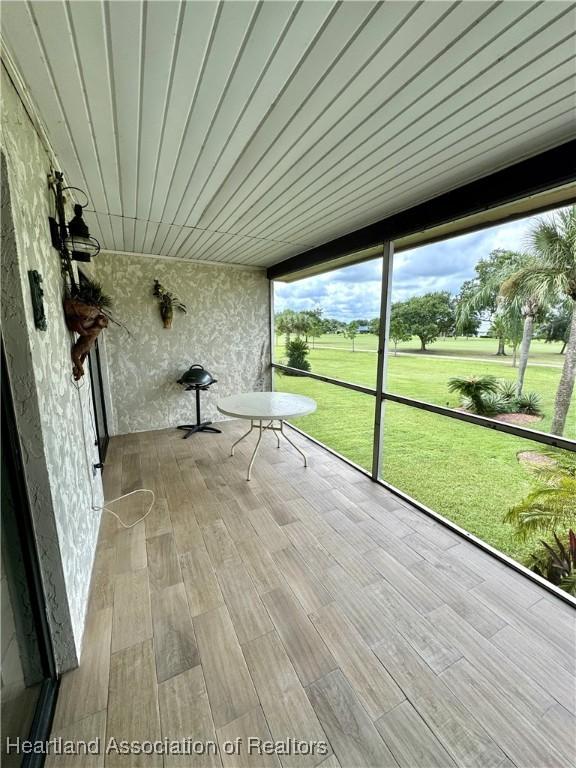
545, 510
544, 285
553, 239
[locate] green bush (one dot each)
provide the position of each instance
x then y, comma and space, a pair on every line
557, 562
530, 403
489, 396
473, 390
549, 509
507, 389
297, 353
495, 403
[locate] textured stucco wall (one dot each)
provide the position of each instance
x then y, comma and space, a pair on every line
48, 406
226, 329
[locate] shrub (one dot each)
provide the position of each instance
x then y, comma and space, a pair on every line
489, 396
473, 389
557, 562
530, 403
550, 506
297, 353
507, 389
494, 403
550, 509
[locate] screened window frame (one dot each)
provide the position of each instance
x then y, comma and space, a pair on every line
381, 396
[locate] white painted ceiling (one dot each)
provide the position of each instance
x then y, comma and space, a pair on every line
247, 132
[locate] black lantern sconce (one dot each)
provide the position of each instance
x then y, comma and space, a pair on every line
73, 240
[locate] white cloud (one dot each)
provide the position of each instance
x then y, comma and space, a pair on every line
354, 292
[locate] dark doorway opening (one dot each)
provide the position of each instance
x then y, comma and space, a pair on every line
29, 679
98, 401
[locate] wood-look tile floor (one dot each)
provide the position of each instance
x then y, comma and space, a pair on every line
312, 605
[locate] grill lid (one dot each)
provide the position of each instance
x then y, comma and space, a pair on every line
197, 376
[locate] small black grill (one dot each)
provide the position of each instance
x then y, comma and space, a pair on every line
196, 379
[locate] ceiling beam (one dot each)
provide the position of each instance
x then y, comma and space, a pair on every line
548, 170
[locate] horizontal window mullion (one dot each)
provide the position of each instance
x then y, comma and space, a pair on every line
482, 421
326, 379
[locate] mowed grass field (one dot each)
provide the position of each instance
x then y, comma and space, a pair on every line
469, 474
540, 351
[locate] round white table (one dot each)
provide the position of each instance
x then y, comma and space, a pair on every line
262, 407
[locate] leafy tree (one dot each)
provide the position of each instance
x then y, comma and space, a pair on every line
556, 326
513, 329
351, 332
470, 326
479, 297
551, 279
331, 325
399, 331
426, 316
494, 291
310, 323
374, 326
302, 324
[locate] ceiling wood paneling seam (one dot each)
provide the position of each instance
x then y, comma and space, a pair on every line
223, 94
167, 100
193, 102
402, 131
56, 93
85, 100
418, 177
376, 131
396, 29
302, 105
269, 61
366, 182
188, 226
391, 96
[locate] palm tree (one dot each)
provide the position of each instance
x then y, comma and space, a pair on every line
496, 290
550, 279
528, 306
285, 322
473, 388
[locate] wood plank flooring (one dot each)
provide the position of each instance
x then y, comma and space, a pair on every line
310, 608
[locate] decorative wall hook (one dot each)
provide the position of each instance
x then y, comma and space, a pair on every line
37, 295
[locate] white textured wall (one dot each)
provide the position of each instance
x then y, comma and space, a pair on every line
226, 329
48, 409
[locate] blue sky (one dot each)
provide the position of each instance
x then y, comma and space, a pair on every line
354, 292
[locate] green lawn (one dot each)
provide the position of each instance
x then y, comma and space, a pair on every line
468, 474
540, 351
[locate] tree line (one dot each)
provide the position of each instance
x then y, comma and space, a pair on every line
522, 294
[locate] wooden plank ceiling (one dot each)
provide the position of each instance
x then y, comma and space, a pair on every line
247, 132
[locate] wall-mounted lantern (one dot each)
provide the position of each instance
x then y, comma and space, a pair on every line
73, 240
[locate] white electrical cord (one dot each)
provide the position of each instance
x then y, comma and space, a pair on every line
95, 507
138, 490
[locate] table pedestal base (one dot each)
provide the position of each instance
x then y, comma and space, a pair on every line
204, 426
262, 427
